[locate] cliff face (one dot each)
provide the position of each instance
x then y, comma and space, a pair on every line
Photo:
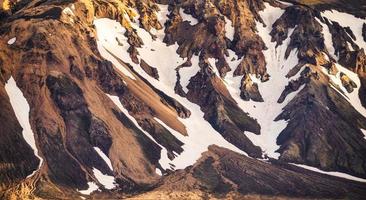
123, 95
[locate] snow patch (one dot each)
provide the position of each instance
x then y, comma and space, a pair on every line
92, 187
229, 28
158, 171
104, 157
364, 132
21, 110
105, 180
187, 17
12, 41
337, 174
201, 135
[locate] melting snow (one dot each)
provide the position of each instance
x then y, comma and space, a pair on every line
21, 109
12, 41
92, 188
187, 17
104, 157
338, 174
105, 180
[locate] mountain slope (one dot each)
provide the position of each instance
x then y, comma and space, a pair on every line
112, 98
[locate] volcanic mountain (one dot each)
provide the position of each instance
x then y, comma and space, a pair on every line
182, 99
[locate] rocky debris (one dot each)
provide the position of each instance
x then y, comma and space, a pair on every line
222, 173
152, 71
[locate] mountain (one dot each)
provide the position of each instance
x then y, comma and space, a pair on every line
189, 99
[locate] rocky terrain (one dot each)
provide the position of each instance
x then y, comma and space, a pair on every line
157, 99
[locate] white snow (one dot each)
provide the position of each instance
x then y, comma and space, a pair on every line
345, 19
106, 180
338, 174
353, 97
164, 160
108, 31
229, 28
92, 188
187, 17
328, 41
158, 171
187, 72
21, 110
364, 132
68, 11
165, 59
277, 67
201, 135
12, 41
104, 157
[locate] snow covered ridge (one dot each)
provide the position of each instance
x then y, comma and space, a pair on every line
21, 110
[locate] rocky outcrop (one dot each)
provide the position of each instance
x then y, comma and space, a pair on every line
153, 72
306, 37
